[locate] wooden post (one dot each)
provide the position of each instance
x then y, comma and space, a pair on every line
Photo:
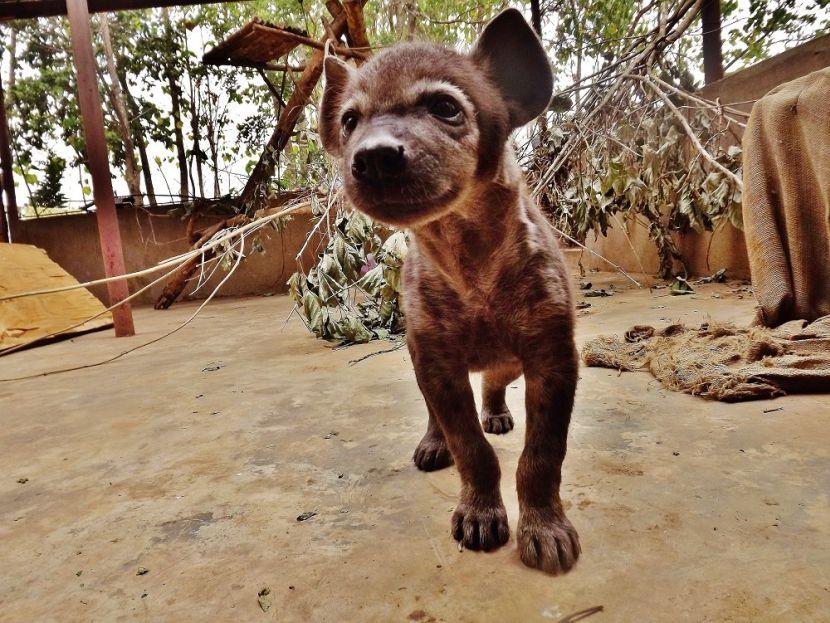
712, 44
6, 172
92, 116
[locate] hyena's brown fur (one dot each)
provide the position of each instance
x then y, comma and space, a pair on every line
421, 133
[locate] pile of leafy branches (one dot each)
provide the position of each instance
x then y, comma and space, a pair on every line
641, 165
633, 138
353, 293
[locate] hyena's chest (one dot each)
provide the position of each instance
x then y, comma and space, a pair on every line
486, 330
488, 341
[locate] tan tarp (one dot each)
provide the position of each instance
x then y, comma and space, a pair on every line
721, 361
24, 268
786, 200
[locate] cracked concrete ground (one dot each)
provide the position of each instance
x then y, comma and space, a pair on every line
166, 486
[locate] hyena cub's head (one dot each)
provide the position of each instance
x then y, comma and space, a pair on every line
419, 124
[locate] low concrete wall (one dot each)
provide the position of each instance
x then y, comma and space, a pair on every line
148, 238
741, 89
630, 248
725, 248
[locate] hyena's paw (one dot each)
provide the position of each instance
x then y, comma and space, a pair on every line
547, 541
496, 423
432, 454
480, 526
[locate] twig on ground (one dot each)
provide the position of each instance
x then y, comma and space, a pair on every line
378, 352
582, 614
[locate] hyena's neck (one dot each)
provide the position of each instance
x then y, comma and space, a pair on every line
491, 220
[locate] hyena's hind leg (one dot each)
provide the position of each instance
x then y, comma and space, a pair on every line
432, 452
495, 416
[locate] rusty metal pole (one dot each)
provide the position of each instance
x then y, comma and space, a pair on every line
6, 172
712, 43
92, 116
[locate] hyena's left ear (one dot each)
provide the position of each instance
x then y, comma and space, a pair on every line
512, 54
336, 75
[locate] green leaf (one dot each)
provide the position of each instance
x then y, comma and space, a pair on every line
314, 314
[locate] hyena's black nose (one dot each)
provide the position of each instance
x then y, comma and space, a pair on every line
379, 163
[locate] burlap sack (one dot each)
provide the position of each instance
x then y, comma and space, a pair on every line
786, 200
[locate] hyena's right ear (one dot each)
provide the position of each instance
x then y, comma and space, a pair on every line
336, 75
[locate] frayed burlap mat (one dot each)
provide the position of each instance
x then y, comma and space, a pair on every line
722, 361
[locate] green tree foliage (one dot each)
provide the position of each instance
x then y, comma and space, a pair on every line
48, 195
193, 122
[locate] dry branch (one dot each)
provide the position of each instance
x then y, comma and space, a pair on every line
177, 284
633, 59
265, 217
356, 24
290, 114
689, 132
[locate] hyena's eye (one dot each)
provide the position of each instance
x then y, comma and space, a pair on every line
445, 108
348, 122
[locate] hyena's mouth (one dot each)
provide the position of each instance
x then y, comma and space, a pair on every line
402, 209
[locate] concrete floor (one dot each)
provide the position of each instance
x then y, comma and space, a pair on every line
193, 458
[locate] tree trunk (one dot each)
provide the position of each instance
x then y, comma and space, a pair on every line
6, 167
176, 101
194, 131
12, 65
214, 152
131, 172
536, 17
411, 8
712, 43
578, 72
140, 141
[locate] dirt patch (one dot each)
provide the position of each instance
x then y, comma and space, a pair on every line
187, 527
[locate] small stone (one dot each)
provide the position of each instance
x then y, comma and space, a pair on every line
306, 515
263, 598
142, 571
22, 481
676, 453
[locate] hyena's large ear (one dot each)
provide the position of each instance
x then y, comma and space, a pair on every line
512, 54
336, 75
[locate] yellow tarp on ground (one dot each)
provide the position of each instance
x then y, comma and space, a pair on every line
24, 268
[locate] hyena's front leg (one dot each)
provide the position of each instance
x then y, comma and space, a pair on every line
480, 519
546, 538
